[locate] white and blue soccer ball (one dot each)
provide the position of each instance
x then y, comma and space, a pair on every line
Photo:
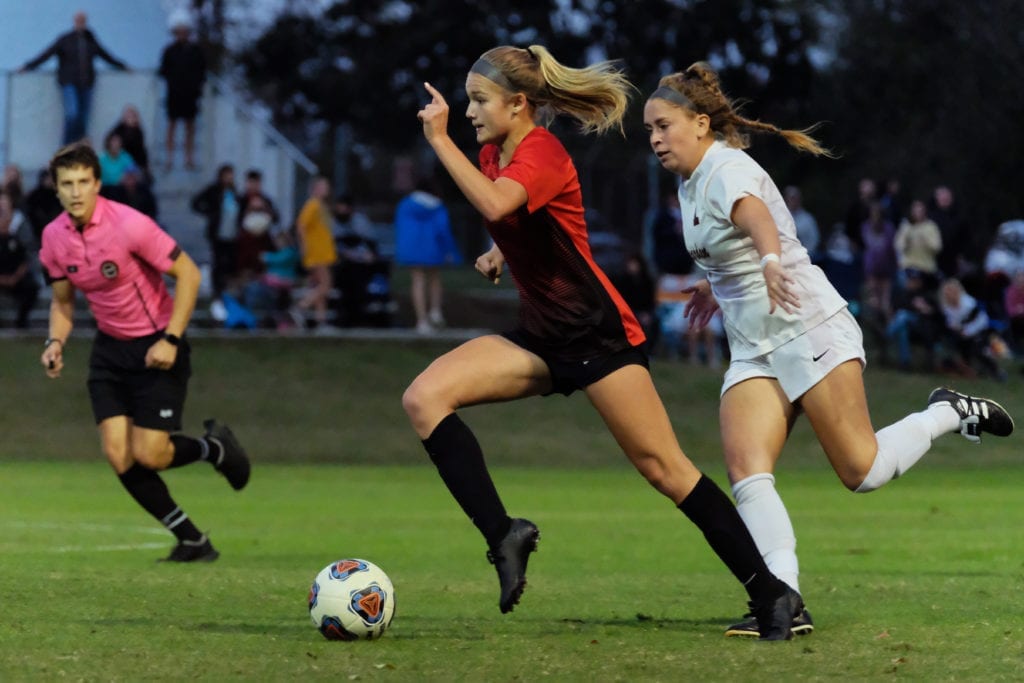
352, 599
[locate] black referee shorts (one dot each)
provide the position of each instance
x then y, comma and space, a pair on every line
121, 384
568, 376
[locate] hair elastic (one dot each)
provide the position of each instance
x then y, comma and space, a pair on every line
672, 95
492, 73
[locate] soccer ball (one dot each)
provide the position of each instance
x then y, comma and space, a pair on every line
352, 599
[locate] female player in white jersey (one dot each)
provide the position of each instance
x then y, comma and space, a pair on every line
794, 345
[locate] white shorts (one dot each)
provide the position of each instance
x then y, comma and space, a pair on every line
802, 362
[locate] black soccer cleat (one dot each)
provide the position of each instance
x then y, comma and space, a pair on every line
509, 557
775, 617
192, 551
977, 415
233, 463
803, 625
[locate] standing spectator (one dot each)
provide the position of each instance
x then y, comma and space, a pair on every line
918, 243
867, 192
42, 204
954, 259
15, 274
183, 67
877, 235
316, 245
114, 162
257, 220
670, 254
134, 192
806, 225
1013, 303
219, 203
133, 139
140, 364
75, 52
892, 201
13, 185
423, 243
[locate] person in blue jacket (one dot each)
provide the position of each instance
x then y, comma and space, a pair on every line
424, 243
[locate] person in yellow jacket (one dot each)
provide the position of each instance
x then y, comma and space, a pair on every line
316, 244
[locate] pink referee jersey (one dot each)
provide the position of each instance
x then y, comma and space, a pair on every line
117, 261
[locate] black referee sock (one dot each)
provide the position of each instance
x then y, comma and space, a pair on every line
149, 491
712, 511
188, 449
460, 462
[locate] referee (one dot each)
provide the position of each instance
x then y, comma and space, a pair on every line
139, 366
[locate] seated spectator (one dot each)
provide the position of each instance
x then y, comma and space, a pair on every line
114, 161
15, 276
133, 140
42, 205
134, 192
703, 345
255, 223
270, 295
967, 331
916, 320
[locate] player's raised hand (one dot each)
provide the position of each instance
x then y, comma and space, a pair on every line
434, 114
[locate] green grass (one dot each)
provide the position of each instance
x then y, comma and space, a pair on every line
921, 580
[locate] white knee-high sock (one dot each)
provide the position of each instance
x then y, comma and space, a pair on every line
766, 518
902, 444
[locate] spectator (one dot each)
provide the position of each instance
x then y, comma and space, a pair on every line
42, 205
842, 264
892, 202
114, 161
75, 51
967, 329
255, 223
133, 139
670, 254
183, 67
423, 243
867, 193
918, 243
806, 225
917, 319
134, 192
877, 235
270, 294
219, 203
15, 276
13, 185
955, 258
316, 246
637, 286
1013, 303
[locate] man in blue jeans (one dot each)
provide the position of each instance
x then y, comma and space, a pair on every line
75, 52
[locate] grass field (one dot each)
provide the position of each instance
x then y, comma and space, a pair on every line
922, 580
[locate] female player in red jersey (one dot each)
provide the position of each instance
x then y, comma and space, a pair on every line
575, 332
794, 347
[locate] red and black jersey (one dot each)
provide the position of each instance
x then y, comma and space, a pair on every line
566, 301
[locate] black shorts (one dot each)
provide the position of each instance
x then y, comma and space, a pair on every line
568, 376
121, 384
182, 105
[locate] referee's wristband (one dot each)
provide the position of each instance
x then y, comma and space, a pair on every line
769, 258
50, 340
172, 339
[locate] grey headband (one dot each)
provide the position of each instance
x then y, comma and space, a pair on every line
674, 96
492, 73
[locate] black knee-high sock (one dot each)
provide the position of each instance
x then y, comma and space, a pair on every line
712, 511
188, 449
149, 491
460, 462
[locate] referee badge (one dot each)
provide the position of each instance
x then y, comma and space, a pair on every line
109, 270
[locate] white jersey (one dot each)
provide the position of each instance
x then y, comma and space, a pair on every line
724, 176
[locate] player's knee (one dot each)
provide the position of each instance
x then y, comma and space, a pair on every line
118, 455
154, 454
852, 474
